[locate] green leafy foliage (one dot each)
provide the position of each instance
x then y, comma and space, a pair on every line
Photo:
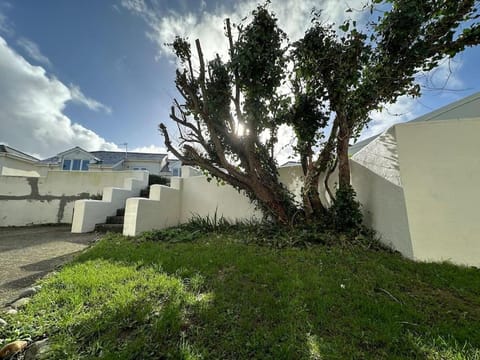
345, 211
157, 180
227, 108
259, 60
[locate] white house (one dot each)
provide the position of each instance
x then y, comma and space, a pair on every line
78, 159
15, 162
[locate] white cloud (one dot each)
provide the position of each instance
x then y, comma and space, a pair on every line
79, 97
150, 149
283, 150
294, 18
32, 105
443, 77
33, 51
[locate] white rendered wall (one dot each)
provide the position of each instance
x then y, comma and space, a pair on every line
440, 170
188, 196
292, 178
150, 166
50, 199
161, 210
381, 157
92, 182
383, 208
383, 203
194, 195
17, 167
203, 198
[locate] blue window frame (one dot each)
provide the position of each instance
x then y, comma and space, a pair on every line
67, 164
85, 164
76, 164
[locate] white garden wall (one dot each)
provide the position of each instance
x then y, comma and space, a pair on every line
383, 208
50, 199
440, 170
187, 197
203, 198
193, 195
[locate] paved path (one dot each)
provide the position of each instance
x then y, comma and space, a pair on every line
28, 253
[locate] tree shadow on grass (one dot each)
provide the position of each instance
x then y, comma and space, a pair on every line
138, 329
103, 309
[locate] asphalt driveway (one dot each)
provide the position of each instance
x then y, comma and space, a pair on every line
29, 253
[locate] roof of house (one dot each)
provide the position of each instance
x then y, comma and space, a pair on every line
290, 163
56, 159
11, 151
51, 160
111, 158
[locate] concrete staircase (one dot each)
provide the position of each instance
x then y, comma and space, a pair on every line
113, 223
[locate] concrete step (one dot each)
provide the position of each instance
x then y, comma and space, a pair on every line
116, 228
121, 212
115, 219
145, 193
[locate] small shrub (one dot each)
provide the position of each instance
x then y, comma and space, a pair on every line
174, 234
209, 223
346, 216
158, 180
96, 196
266, 233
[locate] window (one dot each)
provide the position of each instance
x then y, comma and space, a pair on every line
177, 172
75, 164
67, 164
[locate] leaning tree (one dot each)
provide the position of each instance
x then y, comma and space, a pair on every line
231, 110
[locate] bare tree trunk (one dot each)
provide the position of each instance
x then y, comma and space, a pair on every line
266, 190
315, 170
327, 178
311, 183
270, 198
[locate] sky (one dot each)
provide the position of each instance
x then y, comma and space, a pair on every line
96, 74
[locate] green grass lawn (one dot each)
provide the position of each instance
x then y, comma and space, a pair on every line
216, 297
